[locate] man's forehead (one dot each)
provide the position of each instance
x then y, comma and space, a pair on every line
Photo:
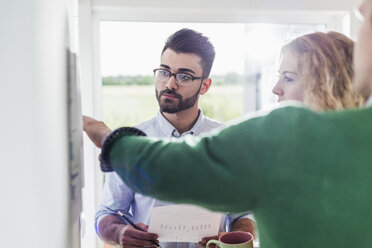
175, 60
171, 52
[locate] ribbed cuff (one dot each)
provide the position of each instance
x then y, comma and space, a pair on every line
109, 141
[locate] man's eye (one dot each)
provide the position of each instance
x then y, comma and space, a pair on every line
183, 77
164, 73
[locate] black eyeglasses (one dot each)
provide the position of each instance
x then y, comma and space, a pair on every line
182, 78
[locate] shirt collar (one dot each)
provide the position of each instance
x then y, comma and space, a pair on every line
369, 101
170, 131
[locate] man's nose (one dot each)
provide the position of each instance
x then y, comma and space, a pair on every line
171, 83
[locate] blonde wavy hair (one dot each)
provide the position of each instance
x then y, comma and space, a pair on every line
325, 64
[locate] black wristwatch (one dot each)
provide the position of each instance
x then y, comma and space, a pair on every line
107, 144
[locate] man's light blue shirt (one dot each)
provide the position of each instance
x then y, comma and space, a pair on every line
116, 195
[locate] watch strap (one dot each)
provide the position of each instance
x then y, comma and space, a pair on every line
109, 141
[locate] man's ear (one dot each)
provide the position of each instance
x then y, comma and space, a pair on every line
205, 86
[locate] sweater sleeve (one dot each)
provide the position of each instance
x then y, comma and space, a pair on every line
224, 171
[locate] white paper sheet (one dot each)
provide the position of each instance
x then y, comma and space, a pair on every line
183, 223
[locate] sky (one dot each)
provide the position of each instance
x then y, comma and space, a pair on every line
133, 48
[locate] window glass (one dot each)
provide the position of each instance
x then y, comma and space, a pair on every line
243, 74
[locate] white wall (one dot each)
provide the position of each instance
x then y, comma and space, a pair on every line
33, 147
232, 4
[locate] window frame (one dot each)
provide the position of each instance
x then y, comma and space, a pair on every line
90, 16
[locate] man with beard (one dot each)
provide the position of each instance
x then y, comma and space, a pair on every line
182, 76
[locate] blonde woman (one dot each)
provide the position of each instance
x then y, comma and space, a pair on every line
316, 69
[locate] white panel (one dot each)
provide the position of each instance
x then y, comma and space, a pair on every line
232, 4
331, 12
34, 189
91, 100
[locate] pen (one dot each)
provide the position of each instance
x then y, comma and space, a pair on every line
122, 216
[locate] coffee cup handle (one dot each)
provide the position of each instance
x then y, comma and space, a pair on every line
213, 241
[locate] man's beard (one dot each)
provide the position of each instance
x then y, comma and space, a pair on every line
169, 106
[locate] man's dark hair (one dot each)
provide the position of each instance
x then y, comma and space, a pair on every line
190, 41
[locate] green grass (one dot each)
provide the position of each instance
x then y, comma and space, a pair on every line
130, 105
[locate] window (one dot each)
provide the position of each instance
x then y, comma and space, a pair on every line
243, 74
98, 38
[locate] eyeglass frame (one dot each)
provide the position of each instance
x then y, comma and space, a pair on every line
175, 76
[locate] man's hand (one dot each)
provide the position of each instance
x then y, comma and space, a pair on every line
129, 237
245, 225
97, 131
202, 243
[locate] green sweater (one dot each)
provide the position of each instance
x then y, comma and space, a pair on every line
307, 177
